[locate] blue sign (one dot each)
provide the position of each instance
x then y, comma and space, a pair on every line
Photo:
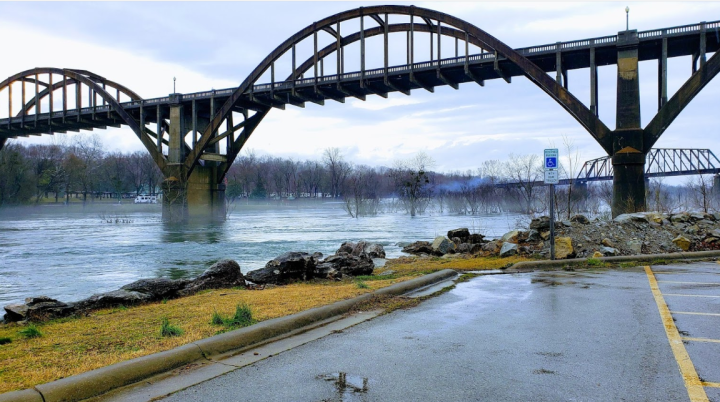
551, 163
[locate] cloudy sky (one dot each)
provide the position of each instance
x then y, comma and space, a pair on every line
215, 45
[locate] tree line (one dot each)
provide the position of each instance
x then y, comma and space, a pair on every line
81, 168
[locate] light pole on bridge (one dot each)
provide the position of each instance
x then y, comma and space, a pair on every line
627, 18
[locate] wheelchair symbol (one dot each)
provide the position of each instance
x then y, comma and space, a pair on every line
550, 163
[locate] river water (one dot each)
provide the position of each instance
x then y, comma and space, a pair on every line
69, 253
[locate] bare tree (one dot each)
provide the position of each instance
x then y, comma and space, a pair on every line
526, 171
700, 189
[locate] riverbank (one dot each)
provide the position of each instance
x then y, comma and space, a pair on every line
78, 344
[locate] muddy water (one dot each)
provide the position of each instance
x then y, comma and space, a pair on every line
70, 253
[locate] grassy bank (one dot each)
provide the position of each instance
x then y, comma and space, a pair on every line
74, 345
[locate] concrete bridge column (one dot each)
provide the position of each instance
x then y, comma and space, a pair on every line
628, 157
198, 197
716, 184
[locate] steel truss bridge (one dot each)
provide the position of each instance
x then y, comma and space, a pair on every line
661, 162
207, 130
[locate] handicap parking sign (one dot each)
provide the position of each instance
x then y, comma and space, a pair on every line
551, 159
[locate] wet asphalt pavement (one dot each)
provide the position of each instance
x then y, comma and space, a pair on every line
544, 336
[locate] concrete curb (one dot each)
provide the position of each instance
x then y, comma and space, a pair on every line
529, 266
104, 379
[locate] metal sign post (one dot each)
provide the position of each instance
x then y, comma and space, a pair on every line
552, 178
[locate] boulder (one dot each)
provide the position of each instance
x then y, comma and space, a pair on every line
442, 245
533, 236
692, 229
680, 218
511, 236
540, 224
419, 247
609, 251
158, 288
38, 309
222, 274
508, 249
607, 242
374, 250
697, 216
714, 233
346, 247
462, 233
635, 246
580, 219
110, 299
469, 248
563, 248
597, 254
348, 264
636, 217
682, 242
285, 268
492, 247
476, 238
326, 270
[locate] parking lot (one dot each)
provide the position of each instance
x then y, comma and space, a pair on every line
635, 334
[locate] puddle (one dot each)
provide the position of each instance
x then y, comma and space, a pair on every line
348, 387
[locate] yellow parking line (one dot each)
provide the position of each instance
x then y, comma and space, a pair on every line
711, 384
688, 312
693, 283
675, 294
695, 389
685, 338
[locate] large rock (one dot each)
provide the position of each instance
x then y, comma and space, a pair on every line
635, 217
511, 237
607, 242
492, 247
442, 245
285, 268
462, 233
110, 299
222, 274
609, 251
682, 242
680, 218
476, 238
38, 309
346, 264
374, 250
508, 249
635, 246
469, 248
419, 247
158, 288
563, 248
540, 224
580, 219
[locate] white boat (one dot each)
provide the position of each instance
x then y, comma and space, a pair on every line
146, 199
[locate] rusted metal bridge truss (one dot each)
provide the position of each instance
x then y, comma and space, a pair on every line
183, 131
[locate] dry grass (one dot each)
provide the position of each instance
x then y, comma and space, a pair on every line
415, 265
75, 345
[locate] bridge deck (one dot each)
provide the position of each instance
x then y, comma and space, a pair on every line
681, 41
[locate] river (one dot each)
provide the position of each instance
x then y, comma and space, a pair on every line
69, 253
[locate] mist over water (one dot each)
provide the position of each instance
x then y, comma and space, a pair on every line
69, 253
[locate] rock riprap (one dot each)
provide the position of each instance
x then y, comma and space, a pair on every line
222, 274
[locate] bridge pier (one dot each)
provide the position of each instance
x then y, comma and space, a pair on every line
199, 197
628, 156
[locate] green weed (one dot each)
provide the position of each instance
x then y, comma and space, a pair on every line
168, 329
30, 332
4, 340
361, 285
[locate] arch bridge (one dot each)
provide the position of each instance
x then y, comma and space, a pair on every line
194, 138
